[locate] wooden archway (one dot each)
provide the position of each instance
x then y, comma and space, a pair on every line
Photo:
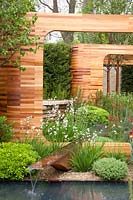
87, 66
21, 93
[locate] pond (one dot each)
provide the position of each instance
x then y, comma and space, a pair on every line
64, 191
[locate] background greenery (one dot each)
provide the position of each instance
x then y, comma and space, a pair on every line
57, 75
127, 79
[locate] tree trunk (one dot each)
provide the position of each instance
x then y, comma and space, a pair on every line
68, 37
55, 6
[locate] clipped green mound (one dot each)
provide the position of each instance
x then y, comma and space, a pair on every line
91, 115
103, 139
110, 169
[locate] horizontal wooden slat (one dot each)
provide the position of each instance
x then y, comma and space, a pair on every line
87, 66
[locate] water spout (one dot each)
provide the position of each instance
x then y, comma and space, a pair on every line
35, 179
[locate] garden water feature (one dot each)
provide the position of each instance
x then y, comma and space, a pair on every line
64, 191
33, 180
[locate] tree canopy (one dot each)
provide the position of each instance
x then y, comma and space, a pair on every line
107, 7
15, 29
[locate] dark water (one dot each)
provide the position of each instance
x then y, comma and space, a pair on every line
64, 191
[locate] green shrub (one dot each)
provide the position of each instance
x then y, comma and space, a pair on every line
91, 115
57, 75
103, 139
6, 130
70, 126
63, 129
83, 159
120, 106
110, 169
15, 159
118, 156
127, 77
41, 148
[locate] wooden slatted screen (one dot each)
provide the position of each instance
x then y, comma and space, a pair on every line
87, 66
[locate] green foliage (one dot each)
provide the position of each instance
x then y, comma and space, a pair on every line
103, 139
117, 155
119, 130
118, 105
127, 77
107, 7
41, 148
83, 159
130, 185
110, 169
15, 29
91, 115
61, 130
57, 76
6, 130
120, 121
113, 6
15, 159
64, 128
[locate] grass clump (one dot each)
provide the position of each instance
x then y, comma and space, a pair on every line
118, 155
43, 149
83, 159
110, 169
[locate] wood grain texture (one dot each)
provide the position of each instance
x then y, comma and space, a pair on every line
48, 22
21, 92
87, 66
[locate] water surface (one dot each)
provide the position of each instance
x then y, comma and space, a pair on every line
64, 191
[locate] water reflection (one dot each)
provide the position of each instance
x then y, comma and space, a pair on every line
64, 191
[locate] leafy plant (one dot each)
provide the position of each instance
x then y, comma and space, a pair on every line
15, 159
41, 148
15, 30
91, 115
64, 128
61, 129
117, 155
57, 75
119, 106
127, 77
130, 185
6, 130
120, 120
103, 139
83, 159
110, 169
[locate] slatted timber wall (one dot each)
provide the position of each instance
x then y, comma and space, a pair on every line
87, 66
21, 92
